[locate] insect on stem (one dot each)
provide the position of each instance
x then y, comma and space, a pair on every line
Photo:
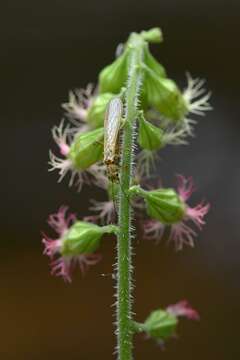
112, 125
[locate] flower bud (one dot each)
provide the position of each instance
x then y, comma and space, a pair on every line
160, 324
175, 211
150, 137
113, 77
75, 244
153, 35
96, 112
153, 64
105, 211
164, 205
164, 95
86, 149
83, 238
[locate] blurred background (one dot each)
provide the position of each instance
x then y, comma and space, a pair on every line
50, 47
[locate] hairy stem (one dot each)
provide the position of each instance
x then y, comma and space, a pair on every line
124, 256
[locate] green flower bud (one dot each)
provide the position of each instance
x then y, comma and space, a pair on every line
156, 67
113, 77
96, 112
153, 35
76, 243
160, 324
87, 149
164, 205
153, 64
150, 137
84, 238
164, 95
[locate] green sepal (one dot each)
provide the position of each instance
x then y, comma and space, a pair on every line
96, 112
150, 137
164, 95
84, 238
113, 77
160, 325
165, 205
153, 64
86, 149
153, 35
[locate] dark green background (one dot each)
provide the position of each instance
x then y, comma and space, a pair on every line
49, 47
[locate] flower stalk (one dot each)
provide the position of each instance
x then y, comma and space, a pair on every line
124, 248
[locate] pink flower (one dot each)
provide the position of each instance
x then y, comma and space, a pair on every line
197, 101
154, 230
79, 102
196, 97
95, 174
62, 136
64, 265
181, 233
183, 308
105, 209
185, 187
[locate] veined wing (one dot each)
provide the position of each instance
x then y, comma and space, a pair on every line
112, 125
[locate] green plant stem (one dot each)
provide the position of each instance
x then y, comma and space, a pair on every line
124, 256
138, 327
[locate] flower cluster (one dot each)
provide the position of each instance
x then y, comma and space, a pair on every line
163, 117
163, 120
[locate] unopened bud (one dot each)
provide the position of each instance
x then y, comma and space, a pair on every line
113, 77
76, 243
164, 205
153, 64
164, 95
95, 113
87, 149
160, 325
150, 137
83, 238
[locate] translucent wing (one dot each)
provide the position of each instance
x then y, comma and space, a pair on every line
112, 124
